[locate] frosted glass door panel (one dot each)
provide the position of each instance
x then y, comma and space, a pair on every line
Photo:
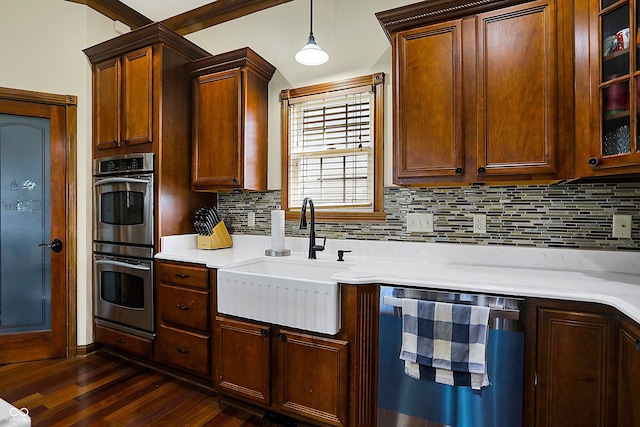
25, 288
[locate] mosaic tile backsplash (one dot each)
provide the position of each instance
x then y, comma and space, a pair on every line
568, 216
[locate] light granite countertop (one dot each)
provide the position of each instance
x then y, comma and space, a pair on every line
606, 277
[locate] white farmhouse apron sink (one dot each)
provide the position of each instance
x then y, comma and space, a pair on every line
289, 292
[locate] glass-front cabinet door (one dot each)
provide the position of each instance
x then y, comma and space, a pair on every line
615, 142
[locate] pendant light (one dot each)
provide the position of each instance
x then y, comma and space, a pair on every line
311, 54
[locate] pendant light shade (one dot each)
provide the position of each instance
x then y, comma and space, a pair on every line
311, 54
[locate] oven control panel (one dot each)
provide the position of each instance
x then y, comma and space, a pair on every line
128, 163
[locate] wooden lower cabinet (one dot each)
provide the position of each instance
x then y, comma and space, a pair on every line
327, 381
576, 365
307, 376
242, 359
311, 377
124, 341
629, 374
183, 317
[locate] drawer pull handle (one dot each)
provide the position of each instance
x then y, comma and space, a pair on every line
182, 350
182, 276
121, 341
182, 307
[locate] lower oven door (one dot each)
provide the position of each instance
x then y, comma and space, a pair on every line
124, 291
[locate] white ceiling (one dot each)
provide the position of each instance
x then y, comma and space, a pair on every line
158, 10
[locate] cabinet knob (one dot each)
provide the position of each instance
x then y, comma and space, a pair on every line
115, 143
281, 336
263, 332
638, 344
459, 171
124, 141
482, 170
593, 161
235, 180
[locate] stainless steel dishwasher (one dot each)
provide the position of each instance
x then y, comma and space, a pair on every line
407, 402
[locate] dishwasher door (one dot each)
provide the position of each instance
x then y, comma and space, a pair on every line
407, 402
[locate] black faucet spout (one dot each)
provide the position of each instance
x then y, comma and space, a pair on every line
313, 248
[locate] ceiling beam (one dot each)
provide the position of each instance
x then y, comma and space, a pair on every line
117, 11
216, 13
197, 19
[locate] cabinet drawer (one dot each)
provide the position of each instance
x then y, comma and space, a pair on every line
185, 307
124, 341
183, 349
185, 275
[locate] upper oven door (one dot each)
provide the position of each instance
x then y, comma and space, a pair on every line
123, 211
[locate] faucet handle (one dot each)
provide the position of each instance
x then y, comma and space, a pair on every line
320, 248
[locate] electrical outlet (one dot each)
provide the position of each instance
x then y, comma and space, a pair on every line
479, 223
622, 226
420, 223
251, 219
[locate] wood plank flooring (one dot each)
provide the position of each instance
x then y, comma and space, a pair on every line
104, 390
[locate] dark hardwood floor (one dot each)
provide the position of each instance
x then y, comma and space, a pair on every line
104, 390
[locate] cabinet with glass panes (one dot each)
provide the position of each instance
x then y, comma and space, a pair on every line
607, 83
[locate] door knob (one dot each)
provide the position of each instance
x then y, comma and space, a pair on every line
55, 245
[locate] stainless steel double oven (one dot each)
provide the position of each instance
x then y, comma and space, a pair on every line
124, 243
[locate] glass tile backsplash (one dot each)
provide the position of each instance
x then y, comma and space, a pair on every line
568, 216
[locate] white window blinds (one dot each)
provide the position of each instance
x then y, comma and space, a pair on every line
331, 152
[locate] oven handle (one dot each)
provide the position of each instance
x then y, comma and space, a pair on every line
121, 180
122, 264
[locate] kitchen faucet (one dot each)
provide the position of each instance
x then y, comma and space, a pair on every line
313, 248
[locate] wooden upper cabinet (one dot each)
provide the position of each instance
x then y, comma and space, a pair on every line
428, 103
517, 96
230, 109
123, 101
218, 150
137, 97
607, 88
479, 98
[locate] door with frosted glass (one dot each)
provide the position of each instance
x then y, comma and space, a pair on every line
32, 225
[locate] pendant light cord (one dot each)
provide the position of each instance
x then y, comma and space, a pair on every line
311, 19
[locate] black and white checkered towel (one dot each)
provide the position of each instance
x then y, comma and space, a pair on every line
445, 343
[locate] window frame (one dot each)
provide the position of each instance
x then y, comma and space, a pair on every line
372, 82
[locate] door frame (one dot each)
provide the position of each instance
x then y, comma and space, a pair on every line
70, 104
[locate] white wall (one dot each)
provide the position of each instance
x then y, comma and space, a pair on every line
41, 50
346, 29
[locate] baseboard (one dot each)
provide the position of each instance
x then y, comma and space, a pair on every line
83, 350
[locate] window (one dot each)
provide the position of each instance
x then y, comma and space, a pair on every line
332, 149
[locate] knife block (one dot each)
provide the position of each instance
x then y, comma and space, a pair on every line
219, 239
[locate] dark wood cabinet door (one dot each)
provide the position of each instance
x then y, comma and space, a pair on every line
576, 369
137, 97
313, 377
428, 110
106, 104
242, 359
629, 375
217, 149
517, 90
